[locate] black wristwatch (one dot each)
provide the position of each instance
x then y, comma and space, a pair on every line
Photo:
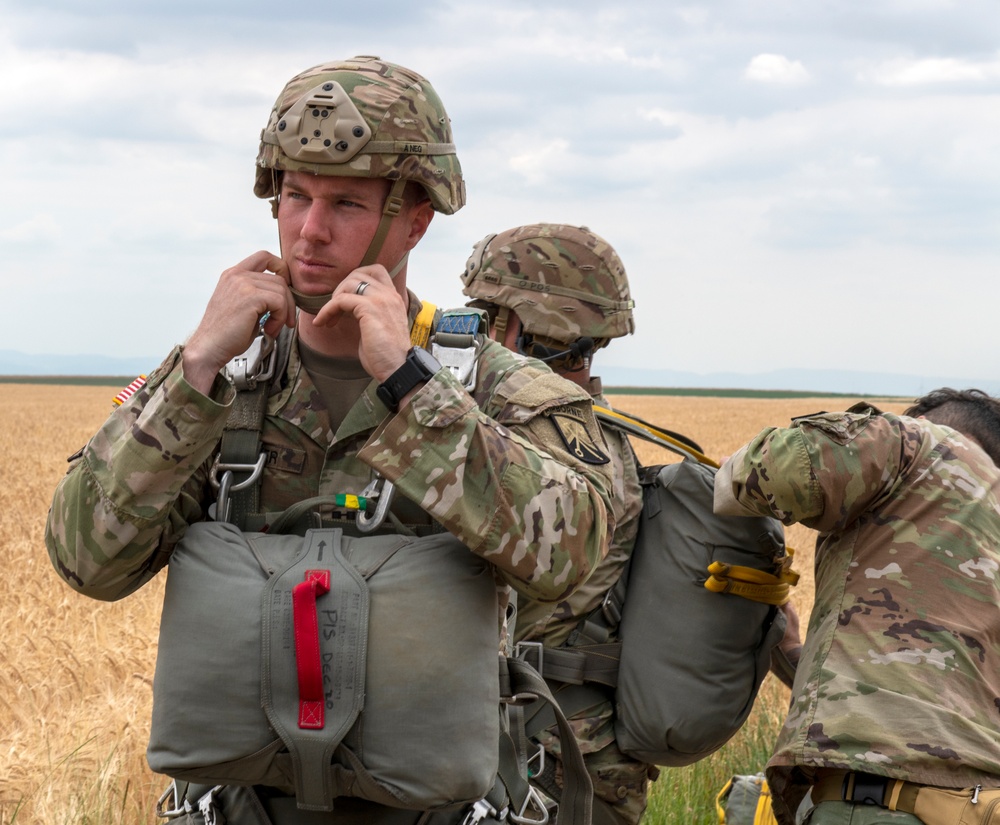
418, 367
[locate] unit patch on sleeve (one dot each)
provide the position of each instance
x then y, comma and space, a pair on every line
571, 424
129, 391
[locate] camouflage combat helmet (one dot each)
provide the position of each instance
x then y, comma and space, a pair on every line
564, 282
367, 118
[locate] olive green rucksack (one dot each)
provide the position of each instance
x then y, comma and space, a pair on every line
683, 640
694, 653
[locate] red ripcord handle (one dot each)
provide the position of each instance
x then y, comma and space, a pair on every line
307, 652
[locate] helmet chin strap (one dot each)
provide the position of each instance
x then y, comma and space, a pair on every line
392, 207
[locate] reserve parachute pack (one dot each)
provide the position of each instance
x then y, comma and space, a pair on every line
695, 615
314, 676
327, 663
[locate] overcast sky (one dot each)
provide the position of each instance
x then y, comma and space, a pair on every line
789, 183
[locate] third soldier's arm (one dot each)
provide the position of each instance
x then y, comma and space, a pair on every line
823, 472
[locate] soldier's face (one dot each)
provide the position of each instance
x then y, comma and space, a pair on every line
326, 225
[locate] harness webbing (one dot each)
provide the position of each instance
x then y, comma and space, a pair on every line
241, 441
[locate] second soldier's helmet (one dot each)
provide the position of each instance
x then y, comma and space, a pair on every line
564, 282
362, 117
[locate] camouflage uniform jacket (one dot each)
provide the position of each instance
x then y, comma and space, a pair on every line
498, 476
900, 672
553, 624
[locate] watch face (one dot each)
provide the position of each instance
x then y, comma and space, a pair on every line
427, 362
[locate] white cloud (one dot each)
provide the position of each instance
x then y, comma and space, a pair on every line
931, 71
776, 68
538, 165
36, 228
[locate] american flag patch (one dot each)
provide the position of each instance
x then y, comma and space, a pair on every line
129, 391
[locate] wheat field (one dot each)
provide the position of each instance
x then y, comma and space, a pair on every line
76, 674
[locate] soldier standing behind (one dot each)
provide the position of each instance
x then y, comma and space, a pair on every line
896, 700
356, 157
559, 293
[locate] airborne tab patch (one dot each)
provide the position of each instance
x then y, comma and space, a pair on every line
571, 424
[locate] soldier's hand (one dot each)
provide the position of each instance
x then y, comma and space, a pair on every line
380, 313
256, 285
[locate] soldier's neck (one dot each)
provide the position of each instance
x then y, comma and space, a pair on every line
339, 341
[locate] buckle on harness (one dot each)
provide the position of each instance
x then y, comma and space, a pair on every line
256, 364
176, 808
483, 811
611, 608
539, 757
522, 651
225, 484
181, 806
381, 492
535, 799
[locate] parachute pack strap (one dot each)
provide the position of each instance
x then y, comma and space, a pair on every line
576, 802
675, 442
596, 628
289, 517
511, 788
720, 798
584, 663
573, 700
457, 341
423, 324
747, 582
240, 444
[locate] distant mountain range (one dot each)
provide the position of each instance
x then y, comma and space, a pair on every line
18, 363
14, 363
819, 381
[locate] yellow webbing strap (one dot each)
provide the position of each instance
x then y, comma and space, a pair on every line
765, 810
747, 582
420, 332
719, 807
647, 431
763, 814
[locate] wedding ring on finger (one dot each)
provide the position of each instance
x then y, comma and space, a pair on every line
361, 288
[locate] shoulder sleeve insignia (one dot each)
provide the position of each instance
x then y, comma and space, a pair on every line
571, 425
